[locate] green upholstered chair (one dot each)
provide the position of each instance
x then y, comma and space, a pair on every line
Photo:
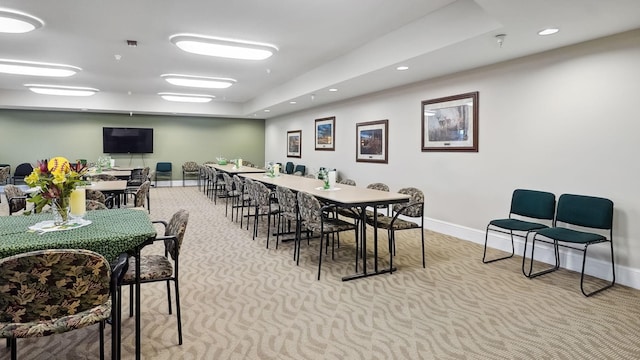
288, 167
53, 291
162, 268
526, 205
164, 169
581, 221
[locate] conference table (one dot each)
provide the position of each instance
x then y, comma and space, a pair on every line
346, 196
233, 170
110, 233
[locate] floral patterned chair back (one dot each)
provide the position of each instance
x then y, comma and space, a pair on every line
95, 205
103, 177
348, 182
142, 193
176, 227
53, 291
4, 174
417, 197
96, 195
16, 198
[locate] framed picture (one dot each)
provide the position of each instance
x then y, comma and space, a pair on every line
325, 133
294, 143
372, 140
450, 123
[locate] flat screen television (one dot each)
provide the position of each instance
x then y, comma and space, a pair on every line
127, 140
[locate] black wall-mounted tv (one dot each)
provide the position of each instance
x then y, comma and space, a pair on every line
127, 140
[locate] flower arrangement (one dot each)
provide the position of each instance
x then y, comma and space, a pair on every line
56, 179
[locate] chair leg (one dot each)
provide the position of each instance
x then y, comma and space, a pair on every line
178, 314
613, 272
556, 250
14, 348
169, 296
424, 262
484, 254
101, 325
320, 256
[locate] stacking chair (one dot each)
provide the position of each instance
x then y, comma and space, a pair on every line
95, 205
526, 205
164, 170
16, 198
190, 169
415, 210
318, 218
155, 268
261, 201
141, 194
54, 275
138, 176
581, 221
243, 199
5, 173
288, 168
230, 193
288, 210
23, 170
299, 170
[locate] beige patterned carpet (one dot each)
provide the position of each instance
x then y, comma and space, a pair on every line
242, 301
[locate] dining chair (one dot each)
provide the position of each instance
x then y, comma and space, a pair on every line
141, 195
243, 199
22, 170
190, 169
16, 198
262, 200
162, 268
230, 193
318, 218
95, 205
103, 177
5, 173
164, 169
50, 292
414, 209
288, 211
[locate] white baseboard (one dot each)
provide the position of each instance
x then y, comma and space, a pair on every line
571, 260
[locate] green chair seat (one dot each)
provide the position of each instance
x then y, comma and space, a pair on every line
570, 235
517, 225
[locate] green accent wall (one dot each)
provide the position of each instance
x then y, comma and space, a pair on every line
27, 135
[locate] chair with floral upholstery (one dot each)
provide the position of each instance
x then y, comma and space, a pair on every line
318, 218
243, 199
155, 268
288, 206
414, 209
40, 294
95, 205
141, 194
262, 200
5, 172
230, 192
190, 169
16, 198
103, 177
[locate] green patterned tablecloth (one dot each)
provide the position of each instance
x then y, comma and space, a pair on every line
111, 233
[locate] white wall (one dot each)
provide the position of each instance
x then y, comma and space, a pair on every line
564, 121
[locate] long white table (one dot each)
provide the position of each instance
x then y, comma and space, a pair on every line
232, 169
344, 196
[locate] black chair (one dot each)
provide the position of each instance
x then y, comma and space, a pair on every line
163, 169
288, 168
525, 205
23, 170
593, 216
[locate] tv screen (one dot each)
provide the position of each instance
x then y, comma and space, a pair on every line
127, 140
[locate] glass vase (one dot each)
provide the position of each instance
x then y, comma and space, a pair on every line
60, 208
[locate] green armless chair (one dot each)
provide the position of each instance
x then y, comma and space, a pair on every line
581, 221
530, 209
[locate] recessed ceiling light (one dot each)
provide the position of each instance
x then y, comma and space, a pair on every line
221, 47
402, 68
267, 110
194, 98
61, 90
292, 102
333, 89
18, 67
198, 81
16, 22
548, 31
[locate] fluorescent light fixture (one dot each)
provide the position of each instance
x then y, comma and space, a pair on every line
18, 67
193, 98
198, 81
221, 47
402, 68
15, 22
548, 31
61, 90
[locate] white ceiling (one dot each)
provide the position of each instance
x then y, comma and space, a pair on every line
352, 45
